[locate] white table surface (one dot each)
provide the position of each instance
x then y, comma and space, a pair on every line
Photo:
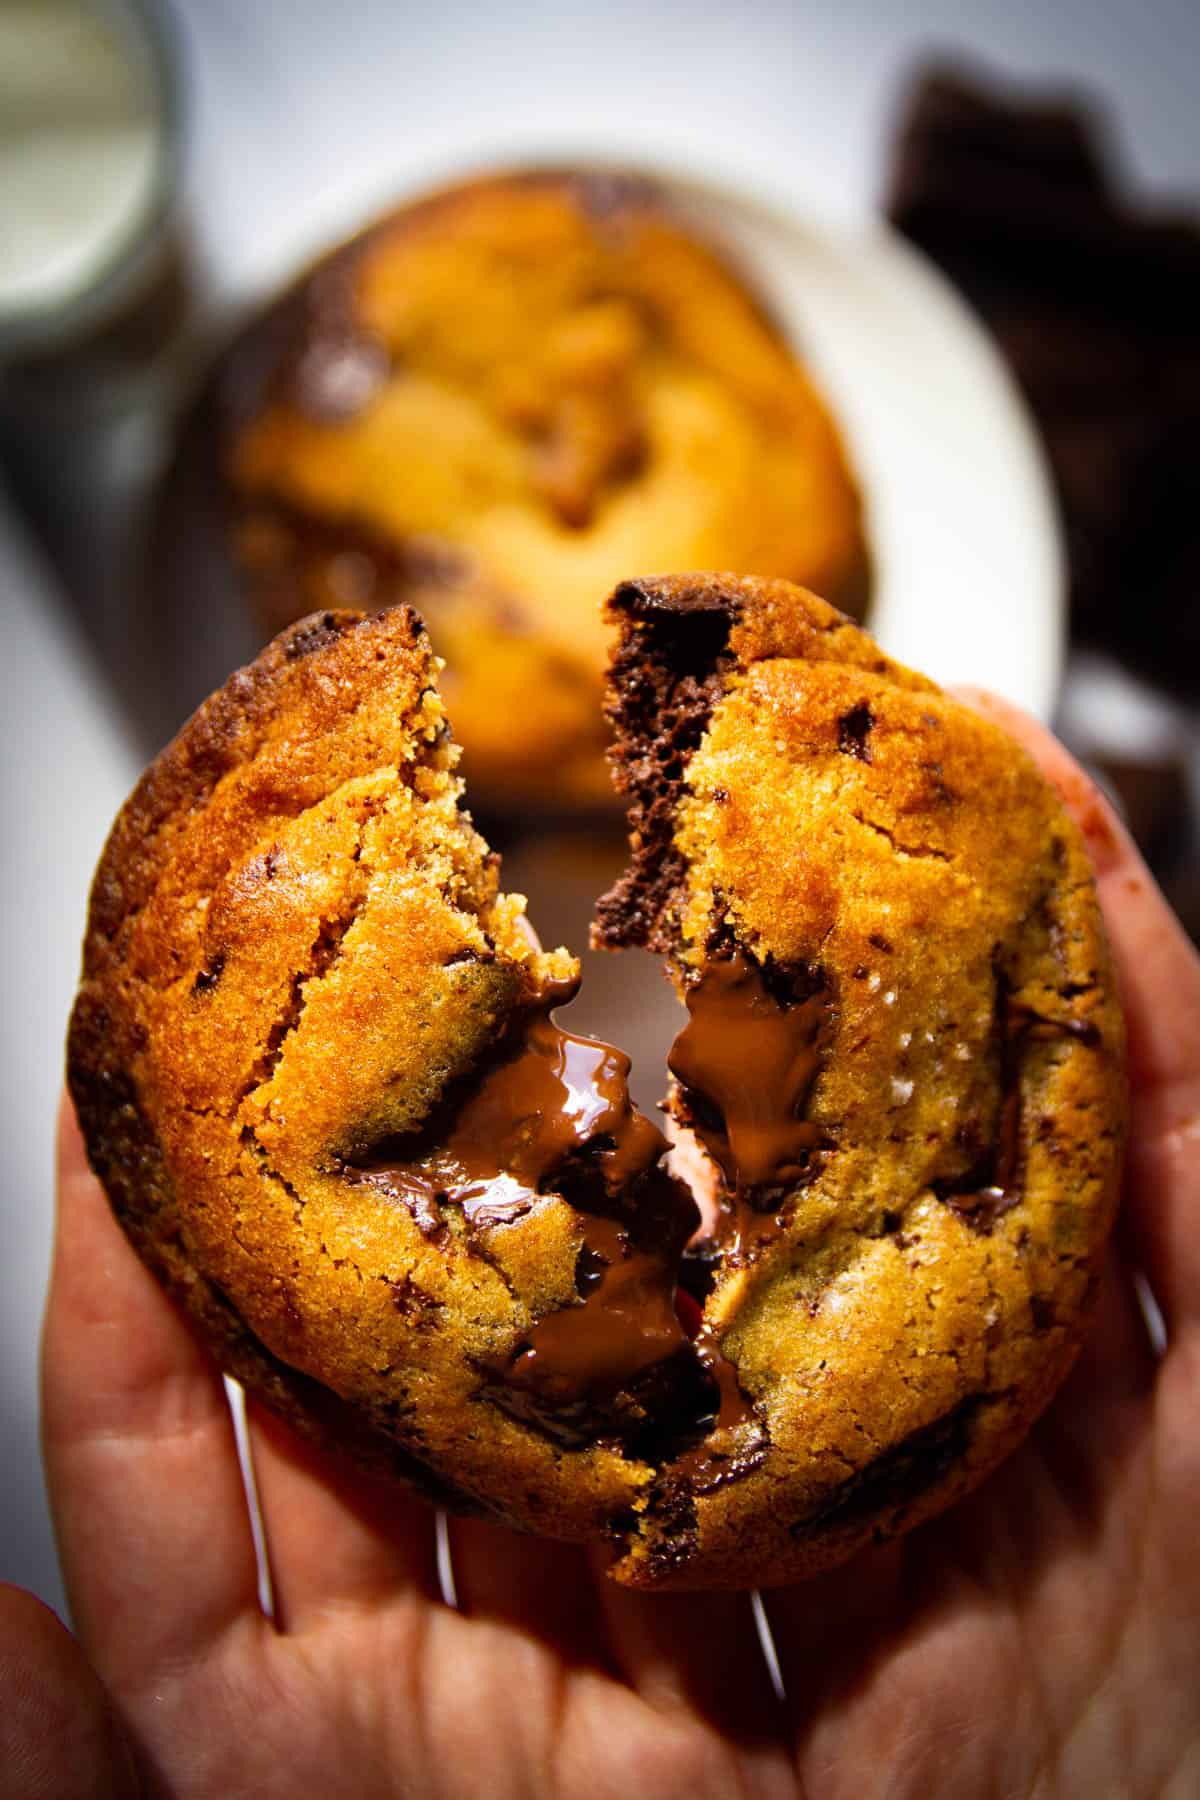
304, 117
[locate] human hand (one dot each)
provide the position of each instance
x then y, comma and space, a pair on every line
1040, 1639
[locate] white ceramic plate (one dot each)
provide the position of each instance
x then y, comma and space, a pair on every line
960, 515
969, 574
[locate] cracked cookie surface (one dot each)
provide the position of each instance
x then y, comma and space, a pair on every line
317, 1061
297, 953
915, 1110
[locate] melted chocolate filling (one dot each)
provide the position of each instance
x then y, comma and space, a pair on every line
632, 1359
746, 1062
552, 1115
549, 1094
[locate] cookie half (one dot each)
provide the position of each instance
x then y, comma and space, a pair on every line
314, 1062
903, 1062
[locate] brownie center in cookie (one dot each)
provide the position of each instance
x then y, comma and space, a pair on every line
664, 684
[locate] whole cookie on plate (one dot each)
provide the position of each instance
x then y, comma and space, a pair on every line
315, 1062
492, 404
904, 1060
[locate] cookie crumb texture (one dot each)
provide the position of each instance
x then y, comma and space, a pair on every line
320, 1072
904, 1062
494, 403
297, 951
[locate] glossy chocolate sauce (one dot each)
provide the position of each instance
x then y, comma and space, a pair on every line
746, 1061
551, 1093
625, 1321
554, 1114
735, 1439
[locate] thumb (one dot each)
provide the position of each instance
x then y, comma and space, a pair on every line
60, 1738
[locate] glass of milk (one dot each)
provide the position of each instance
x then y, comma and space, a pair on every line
90, 271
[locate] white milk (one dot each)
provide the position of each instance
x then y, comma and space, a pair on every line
79, 136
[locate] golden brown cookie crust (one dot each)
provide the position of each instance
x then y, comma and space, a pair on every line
298, 951
296, 945
865, 838
492, 404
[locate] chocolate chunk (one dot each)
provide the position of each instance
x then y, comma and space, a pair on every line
208, 977
901, 1474
624, 1323
992, 1184
854, 728
410, 1299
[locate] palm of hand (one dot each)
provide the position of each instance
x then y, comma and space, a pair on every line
1041, 1639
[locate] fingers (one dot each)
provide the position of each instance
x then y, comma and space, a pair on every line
336, 1540
59, 1734
141, 1464
543, 1588
1159, 974
680, 1652
1118, 1362
695, 1651
832, 1623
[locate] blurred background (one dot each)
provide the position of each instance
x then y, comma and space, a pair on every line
903, 300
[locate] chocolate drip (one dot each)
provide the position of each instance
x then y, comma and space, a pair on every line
554, 1116
735, 1439
746, 1062
630, 1359
625, 1321
553, 1094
